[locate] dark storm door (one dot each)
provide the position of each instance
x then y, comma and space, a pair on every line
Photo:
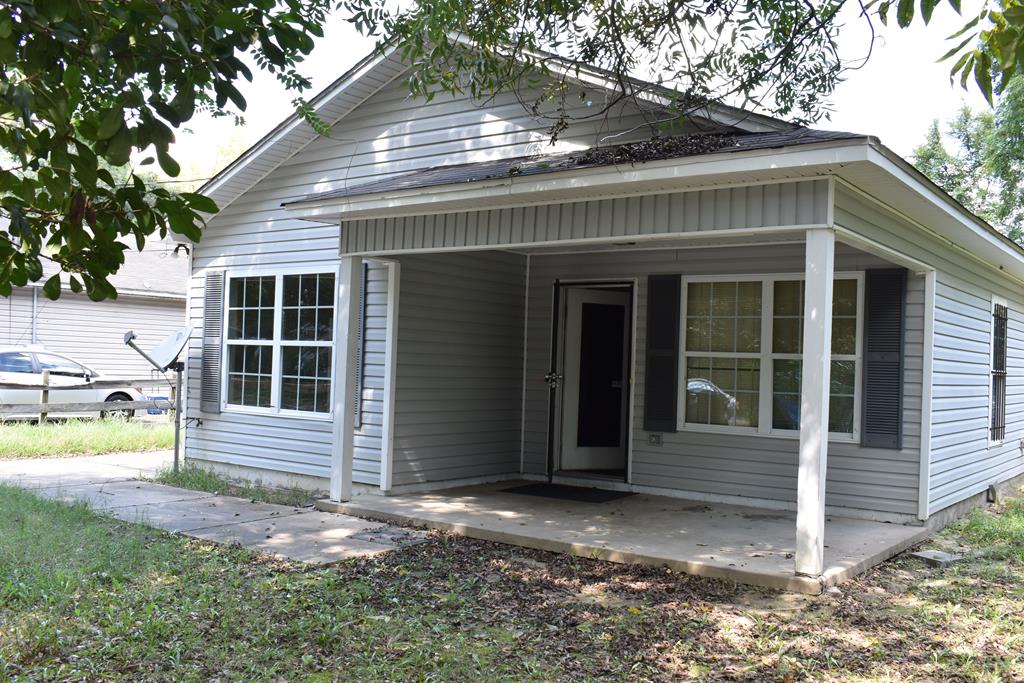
596, 388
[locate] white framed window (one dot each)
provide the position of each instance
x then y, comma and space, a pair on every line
742, 343
279, 341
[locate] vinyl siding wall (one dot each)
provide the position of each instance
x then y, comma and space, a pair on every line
367, 439
961, 462
92, 332
459, 374
730, 208
388, 133
754, 467
16, 317
289, 444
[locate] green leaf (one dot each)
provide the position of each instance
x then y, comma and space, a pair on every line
927, 7
52, 287
955, 50
167, 163
983, 74
111, 121
905, 13
200, 202
119, 147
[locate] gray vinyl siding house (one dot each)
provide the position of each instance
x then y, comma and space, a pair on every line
151, 301
471, 282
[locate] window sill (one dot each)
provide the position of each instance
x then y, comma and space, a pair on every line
228, 409
751, 431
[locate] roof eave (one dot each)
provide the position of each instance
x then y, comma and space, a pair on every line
592, 182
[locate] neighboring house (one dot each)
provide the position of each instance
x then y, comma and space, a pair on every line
151, 301
421, 300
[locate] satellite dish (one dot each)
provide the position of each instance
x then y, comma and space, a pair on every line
170, 348
164, 357
166, 352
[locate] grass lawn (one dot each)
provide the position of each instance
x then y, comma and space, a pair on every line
82, 437
85, 597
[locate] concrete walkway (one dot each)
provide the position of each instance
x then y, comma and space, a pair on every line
109, 484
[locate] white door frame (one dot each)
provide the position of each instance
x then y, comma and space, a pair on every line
559, 325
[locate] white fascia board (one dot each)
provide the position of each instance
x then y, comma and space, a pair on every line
985, 242
588, 183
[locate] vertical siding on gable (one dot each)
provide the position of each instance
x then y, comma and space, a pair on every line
780, 204
725, 464
459, 367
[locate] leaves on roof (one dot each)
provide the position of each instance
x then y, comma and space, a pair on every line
654, 149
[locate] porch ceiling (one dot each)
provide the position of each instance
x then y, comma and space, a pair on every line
743, 544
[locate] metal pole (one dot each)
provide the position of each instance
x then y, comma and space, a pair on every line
178, 367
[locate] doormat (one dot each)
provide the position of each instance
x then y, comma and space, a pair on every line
579, 494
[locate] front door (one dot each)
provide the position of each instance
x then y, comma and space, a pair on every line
596, 353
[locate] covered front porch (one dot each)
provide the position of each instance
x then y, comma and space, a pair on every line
717, 540
734, 346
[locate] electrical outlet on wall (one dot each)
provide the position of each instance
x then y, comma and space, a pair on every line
655, 440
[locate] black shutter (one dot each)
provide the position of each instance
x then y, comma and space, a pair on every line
213, 324
885, 294
661, 390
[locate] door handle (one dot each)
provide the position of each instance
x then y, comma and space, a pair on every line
553, 379
616, 384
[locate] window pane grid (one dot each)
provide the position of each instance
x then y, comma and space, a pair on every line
306, 379
250, 375
716, 342
280, 338
787, 349
307, 311
251, 308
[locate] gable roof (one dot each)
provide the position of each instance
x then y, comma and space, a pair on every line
674, 148
377, 70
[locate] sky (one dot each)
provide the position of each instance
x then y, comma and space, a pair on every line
895, 96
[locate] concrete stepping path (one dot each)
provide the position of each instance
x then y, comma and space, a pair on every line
109, 484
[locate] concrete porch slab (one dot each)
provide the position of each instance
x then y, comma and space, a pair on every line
742, 544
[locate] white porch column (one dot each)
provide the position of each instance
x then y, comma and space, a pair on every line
345, 356
814, 396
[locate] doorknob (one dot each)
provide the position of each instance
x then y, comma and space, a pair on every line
553, 379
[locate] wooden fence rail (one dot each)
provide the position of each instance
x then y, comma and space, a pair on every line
44, 408
94, 384
96, 406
